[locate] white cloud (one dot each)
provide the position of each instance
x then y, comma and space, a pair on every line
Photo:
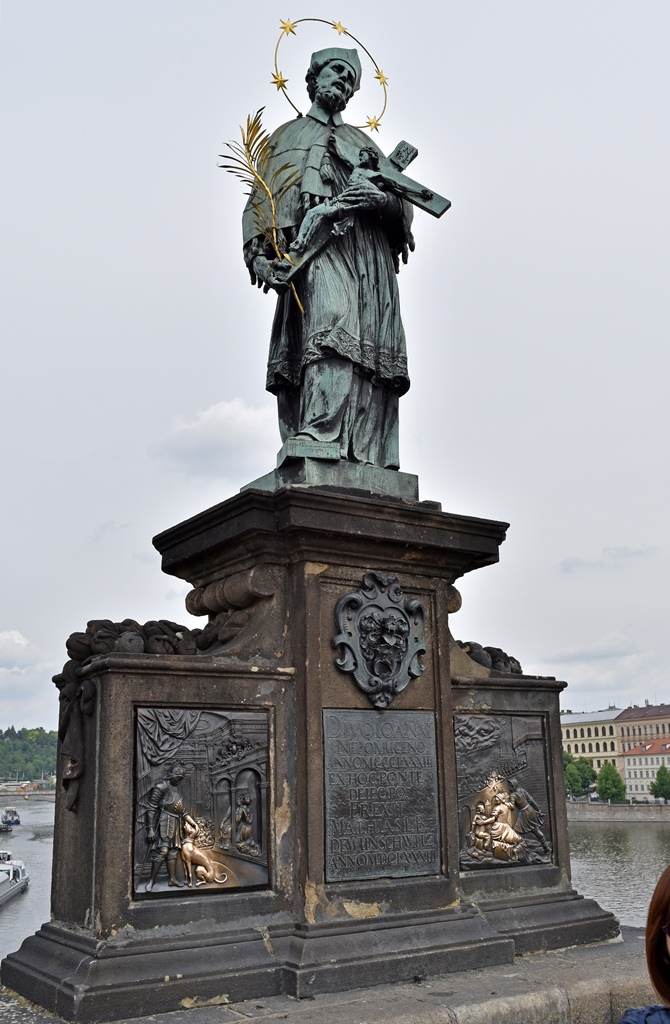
228, 439
613, 645
611, 558
16, 651
103, 530
27, 695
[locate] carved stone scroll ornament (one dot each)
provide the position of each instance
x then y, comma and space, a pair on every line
381, 637
243, 613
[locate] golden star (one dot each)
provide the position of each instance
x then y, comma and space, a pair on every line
288, 26
279, 80
339, 28
381, 77
373, 123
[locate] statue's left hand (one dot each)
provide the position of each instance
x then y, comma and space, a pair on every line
266, 276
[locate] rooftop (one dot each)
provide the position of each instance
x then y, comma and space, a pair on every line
582, 717
645, 713
655, 746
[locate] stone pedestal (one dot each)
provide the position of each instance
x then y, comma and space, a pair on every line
364, 858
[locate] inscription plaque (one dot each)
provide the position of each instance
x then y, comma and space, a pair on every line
382, 818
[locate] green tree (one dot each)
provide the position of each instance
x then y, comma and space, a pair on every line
586, 771
573, 781
579, 774
610, 784
30, 752
660, 787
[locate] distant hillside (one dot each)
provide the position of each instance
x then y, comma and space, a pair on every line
30, 752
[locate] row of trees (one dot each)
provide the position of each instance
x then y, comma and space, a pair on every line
580, 774
28, 753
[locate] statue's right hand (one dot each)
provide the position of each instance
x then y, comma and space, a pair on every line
151, 834
266, 275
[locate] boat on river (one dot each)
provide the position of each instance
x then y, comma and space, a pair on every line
10, 816
13, 877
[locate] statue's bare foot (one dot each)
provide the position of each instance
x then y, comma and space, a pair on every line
149, 886
173, 881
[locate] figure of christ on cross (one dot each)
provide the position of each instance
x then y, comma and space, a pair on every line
339, 370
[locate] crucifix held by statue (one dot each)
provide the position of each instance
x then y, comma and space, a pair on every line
338, 359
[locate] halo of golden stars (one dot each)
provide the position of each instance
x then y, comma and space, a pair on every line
288, 28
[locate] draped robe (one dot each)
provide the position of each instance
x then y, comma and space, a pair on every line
339, 370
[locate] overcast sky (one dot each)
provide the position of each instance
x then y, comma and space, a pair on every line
536, 310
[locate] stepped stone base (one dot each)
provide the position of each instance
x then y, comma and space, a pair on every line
368, 864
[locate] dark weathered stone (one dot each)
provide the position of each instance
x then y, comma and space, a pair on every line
268, 571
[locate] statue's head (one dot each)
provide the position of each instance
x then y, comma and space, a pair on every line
177, 773
333, 77
368, 158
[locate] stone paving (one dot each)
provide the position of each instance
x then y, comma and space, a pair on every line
578, 985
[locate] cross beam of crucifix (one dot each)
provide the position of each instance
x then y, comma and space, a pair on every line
386, 173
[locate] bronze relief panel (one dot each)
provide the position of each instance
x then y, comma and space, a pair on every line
503, 792
201, 800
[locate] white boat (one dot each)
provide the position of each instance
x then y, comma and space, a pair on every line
10, 816
13, 877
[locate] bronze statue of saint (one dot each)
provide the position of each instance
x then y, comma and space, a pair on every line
339, 369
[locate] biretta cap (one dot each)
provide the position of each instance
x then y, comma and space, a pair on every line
349, 57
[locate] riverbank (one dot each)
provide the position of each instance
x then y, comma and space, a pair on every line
617, 812
579, 985
16, 796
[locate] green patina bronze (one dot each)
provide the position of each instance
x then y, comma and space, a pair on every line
339, 369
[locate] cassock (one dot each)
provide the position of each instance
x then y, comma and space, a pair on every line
339, 370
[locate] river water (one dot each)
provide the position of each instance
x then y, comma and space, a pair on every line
31, 842
616, 864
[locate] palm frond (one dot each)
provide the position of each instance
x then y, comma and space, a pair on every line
249, 161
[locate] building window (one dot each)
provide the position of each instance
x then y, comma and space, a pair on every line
569, 751
599, 765
595, 731
588, 732
590, 748
583, 748
597, 748
581, 733
612, 731
612, 746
